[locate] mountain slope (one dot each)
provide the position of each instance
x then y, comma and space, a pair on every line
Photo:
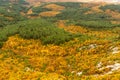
73, 1
81, 41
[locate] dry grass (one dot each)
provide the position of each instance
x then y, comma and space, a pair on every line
54, 7
49, 13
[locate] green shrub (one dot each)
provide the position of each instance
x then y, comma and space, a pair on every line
8, 31
111, 7
97, 24
47, 32
8, 9
39, 9
40, 29
1, 44
73, 14
69, 4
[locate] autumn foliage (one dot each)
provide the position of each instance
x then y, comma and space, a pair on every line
66, 43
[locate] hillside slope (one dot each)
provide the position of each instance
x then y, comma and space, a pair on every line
59, 41
91, 54
109, 1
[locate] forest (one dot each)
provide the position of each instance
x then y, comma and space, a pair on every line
59, 41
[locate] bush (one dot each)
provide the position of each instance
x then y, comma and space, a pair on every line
1, 44
47, 32
111, 7
69, 4
40, 29
97, 24
7, 31
39, 9
73, 14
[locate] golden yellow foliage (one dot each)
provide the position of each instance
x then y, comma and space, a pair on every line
30, 11
49, 13
23, 59
108, 34
72, 28
54, 7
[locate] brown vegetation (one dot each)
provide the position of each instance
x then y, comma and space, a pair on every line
49, 13
54, 7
